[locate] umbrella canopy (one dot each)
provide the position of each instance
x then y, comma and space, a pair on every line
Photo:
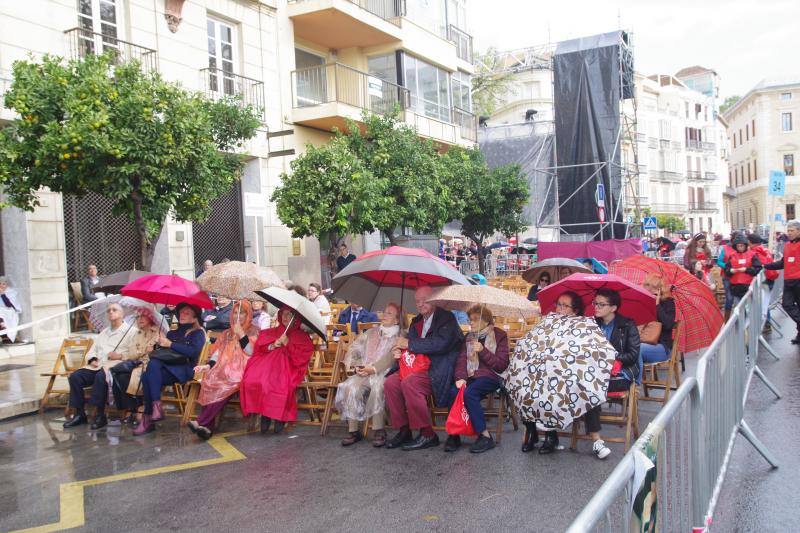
305, 309
557, 267
597, 266
500, 302
695, 305
168, 290
98, 316
637, 304
238, 280
391, 275
560, 370
114, 282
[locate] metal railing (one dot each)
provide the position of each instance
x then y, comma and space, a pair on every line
82, 42
730, 191
221, 84
668, 208
683, 454
388, 10
702, 206
708, 147
467, 124
652, 142
463, 42
335, 82
665, 175
692, 144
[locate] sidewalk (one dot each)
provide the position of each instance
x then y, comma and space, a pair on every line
21, 386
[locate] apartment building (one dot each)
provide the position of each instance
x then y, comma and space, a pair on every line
764, 136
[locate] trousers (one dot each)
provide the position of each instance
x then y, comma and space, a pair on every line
592, 417
121, 377
476, 390
791, 301
208, 414
154, 378
83, 377
406, 400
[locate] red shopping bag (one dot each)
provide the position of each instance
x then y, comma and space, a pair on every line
458, 422
411, 363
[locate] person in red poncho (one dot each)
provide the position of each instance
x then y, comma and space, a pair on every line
277, 366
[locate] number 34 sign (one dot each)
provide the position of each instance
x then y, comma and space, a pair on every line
777, 183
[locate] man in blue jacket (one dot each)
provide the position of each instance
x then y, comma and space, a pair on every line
435, 333
355, 315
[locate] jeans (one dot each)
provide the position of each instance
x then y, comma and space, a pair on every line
592, 418
728, 295
476, 390
653, 353
153, 379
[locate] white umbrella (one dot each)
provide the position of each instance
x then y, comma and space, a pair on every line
305, 309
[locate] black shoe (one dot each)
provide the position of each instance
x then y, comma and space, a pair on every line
76, 420
279, 427
531, 438
549, 445
130, 419
203, 432
482, 444
351, 438
401, 437
452, 443
422, 442
265, 423
100, 421
193, 425
796, 340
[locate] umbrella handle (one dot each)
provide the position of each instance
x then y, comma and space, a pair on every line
289, 324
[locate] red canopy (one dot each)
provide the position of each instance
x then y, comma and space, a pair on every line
168, 290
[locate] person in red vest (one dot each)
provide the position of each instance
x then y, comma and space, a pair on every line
790, 263
724, 252
741, 266
765, 256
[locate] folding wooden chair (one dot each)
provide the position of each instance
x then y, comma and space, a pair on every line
70, 351
319, 390
364, 326
81, 316
627, 417
494, 406
671, 366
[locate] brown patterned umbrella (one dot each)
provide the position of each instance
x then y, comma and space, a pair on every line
237, 280
500, 302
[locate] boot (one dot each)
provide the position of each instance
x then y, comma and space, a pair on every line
158, 412
145, 426
279, 427
77, 420
265, 423
531, 437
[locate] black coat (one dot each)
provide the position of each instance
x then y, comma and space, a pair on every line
625, 340
442, 344
221, 320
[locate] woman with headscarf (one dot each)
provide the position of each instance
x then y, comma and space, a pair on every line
278, 365
143, 343
225, 367
360, 396
173, 362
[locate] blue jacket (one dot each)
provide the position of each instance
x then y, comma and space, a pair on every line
364, 316
442, 345
189, 345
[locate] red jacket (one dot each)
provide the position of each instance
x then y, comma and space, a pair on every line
765, 257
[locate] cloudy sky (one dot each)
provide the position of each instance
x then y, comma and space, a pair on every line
743, 40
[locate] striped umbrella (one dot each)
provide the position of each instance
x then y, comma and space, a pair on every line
695, 305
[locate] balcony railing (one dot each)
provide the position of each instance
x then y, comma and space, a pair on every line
664, 144
463, 42
467, 123
82, 42
702, 206
693, 174
666, 175
692, 144
388, 10
339, 83
652, 142
668, 208
245, 91
730, 192
708, 147
710, 176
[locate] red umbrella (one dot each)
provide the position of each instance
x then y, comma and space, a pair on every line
168, 290
391, 275
695, 305
637, 304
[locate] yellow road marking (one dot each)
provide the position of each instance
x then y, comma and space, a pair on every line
71, 507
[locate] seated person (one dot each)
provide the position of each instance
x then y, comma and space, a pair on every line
10, 310
261, 318
169, 314
219, 318
223, 372
360, 396
655, 349
88, 284
355, 315
483, 357
278, 365
435, 333
144, 341
314, 293
541, 283
109, 347
184, 346
621, 332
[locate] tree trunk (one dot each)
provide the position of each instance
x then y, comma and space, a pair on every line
146, 246
481, 254
390, 235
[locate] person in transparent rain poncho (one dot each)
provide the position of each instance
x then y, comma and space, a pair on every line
360, 396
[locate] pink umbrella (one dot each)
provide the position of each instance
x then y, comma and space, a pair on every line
168, 290
637, 304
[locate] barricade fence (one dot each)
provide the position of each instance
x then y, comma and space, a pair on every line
673, 473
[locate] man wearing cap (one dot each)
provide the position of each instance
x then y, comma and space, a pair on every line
790, 263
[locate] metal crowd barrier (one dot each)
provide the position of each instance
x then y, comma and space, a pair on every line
691, 439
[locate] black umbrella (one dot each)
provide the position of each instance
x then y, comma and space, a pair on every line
114, 282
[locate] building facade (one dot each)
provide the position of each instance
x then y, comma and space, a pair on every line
764, 136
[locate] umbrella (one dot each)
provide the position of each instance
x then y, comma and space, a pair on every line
114, 282
98, 316
557, 267
500, 302
168, 290
637, 304
560, 370
391, 275
237, 280
695, 305
597, 266
683, 232
305, 309
531, 240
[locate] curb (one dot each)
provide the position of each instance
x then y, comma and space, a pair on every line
16, 408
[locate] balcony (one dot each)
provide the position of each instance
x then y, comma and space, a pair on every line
652, 142
666, 175
662, 208
463, 42
340, 24
730, 192
244, 91
467, 124
82, 43
692, 144
708, 147
703, 207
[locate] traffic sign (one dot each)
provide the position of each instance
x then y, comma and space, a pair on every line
777, 183
650, 223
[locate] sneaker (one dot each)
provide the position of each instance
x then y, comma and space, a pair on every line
600, 449
452, 443
482, 444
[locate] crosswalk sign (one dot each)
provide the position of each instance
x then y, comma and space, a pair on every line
650, 223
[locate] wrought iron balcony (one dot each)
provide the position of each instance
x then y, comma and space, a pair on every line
245, 91
730, 192
467, 123
463, 42
692, 144
666, 175
708, 147
388, 10
702, 206
668, 208
82, 42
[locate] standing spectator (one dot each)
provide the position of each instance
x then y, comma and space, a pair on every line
317, 298
206, 265
344, 259
9, 310
435, 333
261, 318
724, 251
355, 315
790, 263
741, 266
88, 283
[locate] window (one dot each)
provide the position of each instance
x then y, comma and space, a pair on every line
736, 172
755, 170
789, 211
710, 227
786, 96
462, 83
734, 139
220, 57
730, 178
687, 109
311, 84
98, 16
748, 172
753, 128
786, 122
747, 131
429, 86
740, 136
383, 67
788, 164
429, 14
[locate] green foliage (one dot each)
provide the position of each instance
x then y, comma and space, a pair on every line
490, 83
151, 146
671, 223
728, 103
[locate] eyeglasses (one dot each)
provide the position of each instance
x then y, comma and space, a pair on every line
601, 304
563, 305
544, 280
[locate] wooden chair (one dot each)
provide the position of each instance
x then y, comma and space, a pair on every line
671, 366
494, 406
179, 397
364, 326
81, 316
627, 417
319, 390
62, 368
336, 310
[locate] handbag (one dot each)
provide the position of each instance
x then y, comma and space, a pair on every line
650, 333
169, 356
458, 422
